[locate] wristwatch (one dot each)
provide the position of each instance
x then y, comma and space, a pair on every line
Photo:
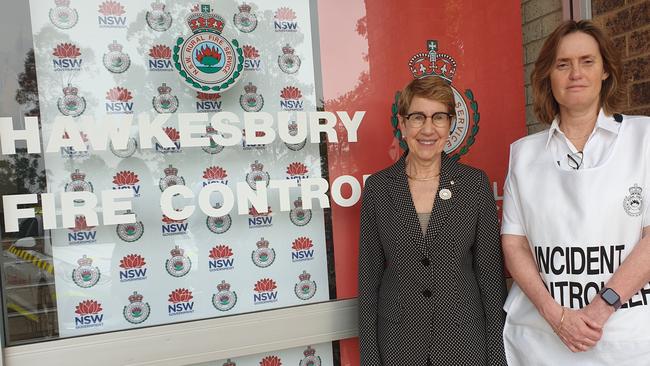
611, 297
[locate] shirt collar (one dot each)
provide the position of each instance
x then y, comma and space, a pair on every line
603, 121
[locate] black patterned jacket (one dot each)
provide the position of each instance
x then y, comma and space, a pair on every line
441, 294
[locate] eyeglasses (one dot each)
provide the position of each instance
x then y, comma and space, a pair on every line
417, 119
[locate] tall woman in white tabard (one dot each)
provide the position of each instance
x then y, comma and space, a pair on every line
576, 228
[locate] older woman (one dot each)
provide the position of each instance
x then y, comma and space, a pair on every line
431, 286
575, 224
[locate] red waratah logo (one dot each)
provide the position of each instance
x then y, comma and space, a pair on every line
166, 220
215, 173
132, 261
265, 285
250, 52
285, 13
290, 92
302, 243
160, 52
271, 361
206, 96
172, 133
119, 94
84, 137
66, 50
80, 224
180, 295
253, 212
297, 168
125, 178
88, 307
220, 251
111, 7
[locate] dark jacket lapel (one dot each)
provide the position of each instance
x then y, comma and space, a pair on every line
449, 172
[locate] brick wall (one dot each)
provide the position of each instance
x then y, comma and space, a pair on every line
628, 23
539, 19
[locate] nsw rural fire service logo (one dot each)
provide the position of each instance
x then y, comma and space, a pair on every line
165, 102
115, 60
250, 101
224, 299
263, 256
130, 232
306, 288
464, 127
171, 178
78, 183
218, 224
289, 62
213, 148
257, 174
633, 204
157, 18
85, 276
206, 61
62, 16
299, 216
310, 358
71, 104
245, 20
178, 265
136, 311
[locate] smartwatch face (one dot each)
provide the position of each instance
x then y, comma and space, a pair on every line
610, 296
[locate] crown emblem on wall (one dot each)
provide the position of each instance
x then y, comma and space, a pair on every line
202, 19
136, 297
262, 243
223, 286
177, 252
433, 63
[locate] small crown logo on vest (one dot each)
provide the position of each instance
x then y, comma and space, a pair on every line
157, 18
160, 58
89, 314
252, 61
297, 171
128, 151
78, 183
284, 20
180, 302
115, 60
293, 131
112, 15
633, 204
206, 60
136, 312
305, 289
213, 148
71, 104
298, 215
271, 361
82, 233
127, 179
250, 101
208, 102
221, 258
215, 175
219, 224
173, 135
67, 57
118, 101
85, 276
224, 299
291, 99
435, 63
289, 62
229, 363
70, 152
165, 102
302, 249
264, 291
130, 232
263, 256
259, 219
310, 358
245, 20
173, 227
178, 265
133, 268
171, 178
62, 16
257, 174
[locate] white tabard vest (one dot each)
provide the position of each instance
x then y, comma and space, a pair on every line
581, 224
